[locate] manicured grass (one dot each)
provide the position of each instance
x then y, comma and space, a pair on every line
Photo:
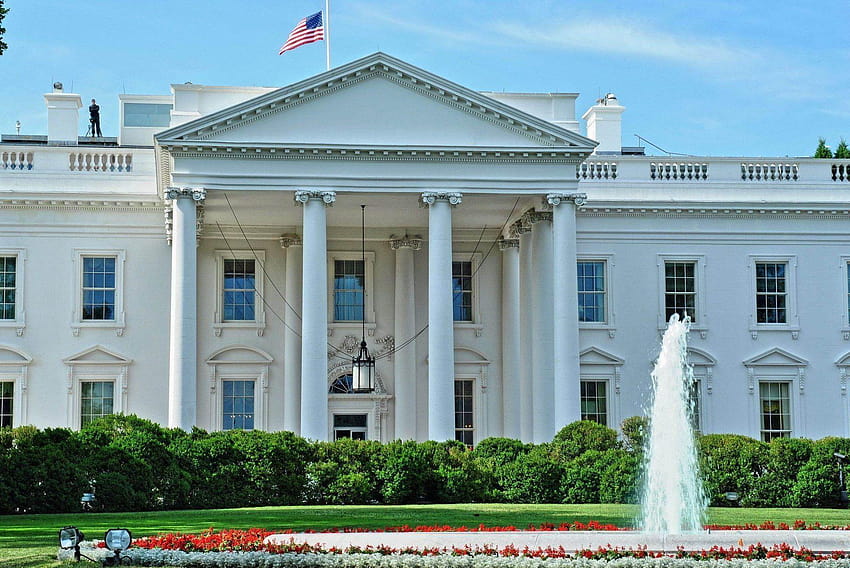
29, 541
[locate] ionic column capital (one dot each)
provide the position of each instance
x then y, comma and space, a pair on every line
505, 244
414, 243
302, 196
555, 199
429, 198
287, 241
197, 194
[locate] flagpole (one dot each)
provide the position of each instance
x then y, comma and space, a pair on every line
328, 33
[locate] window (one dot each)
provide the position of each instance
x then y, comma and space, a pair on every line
591, 291
462, 290
349, 287
147, 114
342, 385
352, 426
239, 290
98, 288
775, 410
680, 289
96, 400
7, 392
464, 417
594, 402
771, 292
239, 287
8, 287
99, 297
694, 410
237, 405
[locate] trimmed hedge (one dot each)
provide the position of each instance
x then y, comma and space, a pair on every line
135, 465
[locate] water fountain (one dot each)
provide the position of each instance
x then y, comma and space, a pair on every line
673, 501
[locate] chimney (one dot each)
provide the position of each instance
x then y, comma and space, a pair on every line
63, 116
604, 124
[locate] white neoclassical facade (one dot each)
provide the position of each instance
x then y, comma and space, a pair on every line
204, 268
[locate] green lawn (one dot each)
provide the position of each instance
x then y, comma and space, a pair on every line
29, 541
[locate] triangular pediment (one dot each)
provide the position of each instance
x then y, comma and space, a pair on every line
776, 357
377, 101
844, 360
97, 355
596, 356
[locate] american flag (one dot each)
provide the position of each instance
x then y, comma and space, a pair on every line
308, 30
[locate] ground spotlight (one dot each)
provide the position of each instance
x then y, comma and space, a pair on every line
116, 540
70, 538
732, 496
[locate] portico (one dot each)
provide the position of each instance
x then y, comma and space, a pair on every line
445, 173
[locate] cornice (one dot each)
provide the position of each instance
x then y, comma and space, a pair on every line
243, 151
700, 212
80, 204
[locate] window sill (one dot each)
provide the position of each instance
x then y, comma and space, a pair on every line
18, 325
353, 326
793, 329
598, 326
258, 326
702, 330
477, 327
117, 325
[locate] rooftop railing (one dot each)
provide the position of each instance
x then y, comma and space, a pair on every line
76, 160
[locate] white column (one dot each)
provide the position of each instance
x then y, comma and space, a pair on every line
405, 328
526, 278
314, 314
542, 328
565, 309
183, 328
292, 335
441, 364
511, 357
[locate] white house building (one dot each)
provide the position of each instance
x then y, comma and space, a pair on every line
205, 268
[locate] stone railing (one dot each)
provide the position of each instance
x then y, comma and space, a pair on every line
725, 170
772, 171
678, 171
592, 169
16, 160
101, 161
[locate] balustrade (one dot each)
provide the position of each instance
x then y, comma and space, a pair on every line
16, 160
841, 171
597, 170
678, 171
769, 172
100, 162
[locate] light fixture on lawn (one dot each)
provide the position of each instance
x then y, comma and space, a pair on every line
363, 366
70, 538
116, 540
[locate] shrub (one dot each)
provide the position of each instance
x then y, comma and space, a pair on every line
730, 463
785, 458
407, 474
635, 430
535, 477
582, 436
817, 483
462, 478
619, 481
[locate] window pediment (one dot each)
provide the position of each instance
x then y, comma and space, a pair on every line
12, 356
776, 357
596, 356
97, 355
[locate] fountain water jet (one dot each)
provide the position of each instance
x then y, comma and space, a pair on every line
673, 501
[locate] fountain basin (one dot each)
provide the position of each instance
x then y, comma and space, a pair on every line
825, 541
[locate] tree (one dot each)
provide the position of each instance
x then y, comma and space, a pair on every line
842, 151
3, 12
823, 150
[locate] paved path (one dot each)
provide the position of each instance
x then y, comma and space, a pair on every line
817, 541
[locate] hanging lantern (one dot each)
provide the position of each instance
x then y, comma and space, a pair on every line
363, 370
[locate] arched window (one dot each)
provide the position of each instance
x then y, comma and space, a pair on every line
342, 385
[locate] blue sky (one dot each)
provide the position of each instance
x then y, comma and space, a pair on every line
737, 78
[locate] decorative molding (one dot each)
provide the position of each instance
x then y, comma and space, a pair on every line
414, 242
429, 198
708, 212
751, 378
79, 204
617, 379
578, 199
387, 344
287, 241
801, 379
534, 216
843, 381
197, 194
505, 244
302, 196
709, 380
